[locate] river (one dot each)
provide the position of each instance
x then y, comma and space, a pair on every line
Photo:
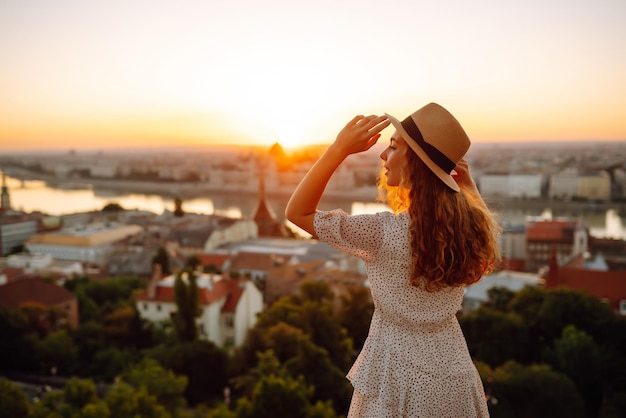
35, 195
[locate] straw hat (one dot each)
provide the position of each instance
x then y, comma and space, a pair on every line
437, 138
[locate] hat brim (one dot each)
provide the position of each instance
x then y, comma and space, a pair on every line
443, 176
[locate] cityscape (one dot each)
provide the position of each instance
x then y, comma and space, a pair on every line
248, 260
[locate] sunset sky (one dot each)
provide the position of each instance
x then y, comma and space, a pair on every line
128, 73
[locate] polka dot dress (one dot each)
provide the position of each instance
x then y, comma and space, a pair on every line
415, 361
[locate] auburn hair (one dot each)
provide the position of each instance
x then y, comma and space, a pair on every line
453, 235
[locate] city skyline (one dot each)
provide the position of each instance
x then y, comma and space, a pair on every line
90, 75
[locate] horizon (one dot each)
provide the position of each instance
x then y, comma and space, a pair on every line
91, 75
291, 149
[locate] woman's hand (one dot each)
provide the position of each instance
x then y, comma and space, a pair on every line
463, 177
360, 134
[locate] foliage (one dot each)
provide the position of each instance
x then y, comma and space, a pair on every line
530, 391
58, 350
570, 332
167, 387
355, 314
276, 394
112, 207
13, 400
18, 341
162, 258
186, 295
203, 364
306, 337
494, 337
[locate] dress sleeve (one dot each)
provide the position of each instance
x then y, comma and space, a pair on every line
358, 235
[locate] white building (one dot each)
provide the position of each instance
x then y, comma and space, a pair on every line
476, 294
44, 264
91, 244
564, 185
229, 307
519, 186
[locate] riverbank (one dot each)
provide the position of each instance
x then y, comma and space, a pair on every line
194, 190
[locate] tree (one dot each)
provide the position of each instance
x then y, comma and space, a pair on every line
579, 357
162, 258
355, 314
178, 207
158, 381
58, 350
13, 400
193, 262
17, 344
187, 305
531, 391
312, 311
499, 297
125, 401
112, 207
79, 392
494, 336
274, 393
205, 367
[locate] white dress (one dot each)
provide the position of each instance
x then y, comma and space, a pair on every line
415, 361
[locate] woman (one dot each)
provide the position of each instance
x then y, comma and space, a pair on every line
439, 238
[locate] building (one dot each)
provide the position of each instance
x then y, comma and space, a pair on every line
286, 279
229, 306
509, 185
45, 265
593, 278
512, 246
15, 230
595, 185
477, 294
91, 244
564, 185
564, 236
15, 293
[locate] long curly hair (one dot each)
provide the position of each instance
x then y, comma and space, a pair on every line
453, 235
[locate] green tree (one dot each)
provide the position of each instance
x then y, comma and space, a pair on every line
271, 391
79, 392
355, 314
162, 258
499, 297
579, 357
312, 311
494, 336
158, 381
204, 365
125, 401
13, 400
531, 391
17, 344
186, 295
193, 262
58, 350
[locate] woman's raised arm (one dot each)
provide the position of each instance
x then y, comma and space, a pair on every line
359, 135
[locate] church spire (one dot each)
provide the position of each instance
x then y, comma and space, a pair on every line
5, 199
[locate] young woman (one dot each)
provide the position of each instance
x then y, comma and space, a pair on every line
439, 238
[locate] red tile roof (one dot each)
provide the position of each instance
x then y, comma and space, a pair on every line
549, 231
234, 294
216, 260
206, 296
19, 291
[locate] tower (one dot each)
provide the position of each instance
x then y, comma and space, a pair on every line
264, 216
5, 199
